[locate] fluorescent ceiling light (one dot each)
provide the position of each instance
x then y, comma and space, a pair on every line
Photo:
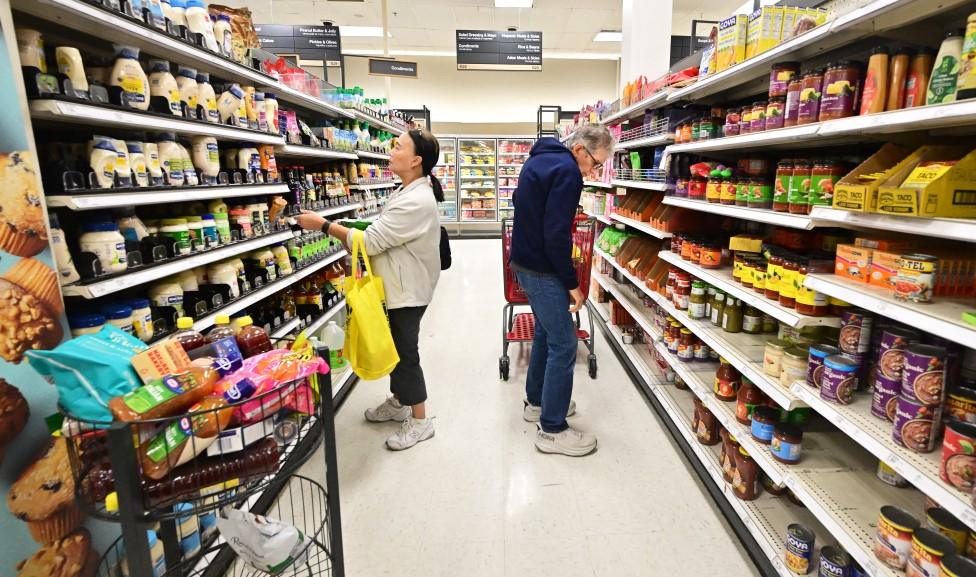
363, 31
513, 3
609, 36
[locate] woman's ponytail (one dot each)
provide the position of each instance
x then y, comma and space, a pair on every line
435, 184
429, 151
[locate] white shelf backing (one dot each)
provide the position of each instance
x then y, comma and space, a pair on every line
286, 329
656, 100
951, 228
93, 115
266, 291
101, 288
376, 186
644, 227
340, 209
874, 434
942, 317
756, 214
109, 199
374, 155
597, 184
296, 151
656, 140
660, 186
722, 279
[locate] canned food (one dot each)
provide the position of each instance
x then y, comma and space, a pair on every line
857, 570
923, 379
938, 519
961, 405
893, 545
884, 405
890, 476
815, 362
891, 358
799, 548
916, 425
928, 549
772, 487
956, 566
839, 380
834, 562
958, 463
855, 332
915, 278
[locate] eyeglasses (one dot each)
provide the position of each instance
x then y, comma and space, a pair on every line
597, 166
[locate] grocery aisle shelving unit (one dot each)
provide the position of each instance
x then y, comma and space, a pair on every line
477, 179
300, 151
447, 171
107, 200
512, 154
641, 226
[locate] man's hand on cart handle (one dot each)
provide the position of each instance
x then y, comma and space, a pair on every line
577, 298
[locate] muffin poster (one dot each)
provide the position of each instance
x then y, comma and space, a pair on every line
39, 520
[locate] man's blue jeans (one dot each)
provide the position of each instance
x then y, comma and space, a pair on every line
549, 383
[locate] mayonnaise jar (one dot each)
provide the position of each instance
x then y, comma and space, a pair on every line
163, 85
128, 75
186, 81
207, 98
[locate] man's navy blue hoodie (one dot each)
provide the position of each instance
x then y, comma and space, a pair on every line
546, 199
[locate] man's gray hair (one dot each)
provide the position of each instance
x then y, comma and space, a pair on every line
593, 137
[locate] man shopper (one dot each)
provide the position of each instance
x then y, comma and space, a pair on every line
546, 202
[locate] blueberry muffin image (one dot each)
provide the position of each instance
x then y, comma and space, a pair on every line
14, 413
30, 309
44, 495
71, 556
22, 227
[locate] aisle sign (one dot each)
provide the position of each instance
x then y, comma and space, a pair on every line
396, 68
498, 50
309, 42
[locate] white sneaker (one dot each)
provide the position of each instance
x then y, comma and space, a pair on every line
532, 414
571, 442
412, 431
389, 410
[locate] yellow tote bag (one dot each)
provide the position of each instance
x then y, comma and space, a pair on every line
369, 342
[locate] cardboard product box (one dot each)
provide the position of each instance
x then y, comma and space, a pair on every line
883, 269
732, 35
745, 243
764, 30
851, 193
657, 278
853, 262
239, 438
887, 244
952, 194
159, 360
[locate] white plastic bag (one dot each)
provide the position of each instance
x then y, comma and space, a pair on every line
266, 544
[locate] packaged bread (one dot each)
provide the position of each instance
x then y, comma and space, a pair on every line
170, 395
185, 438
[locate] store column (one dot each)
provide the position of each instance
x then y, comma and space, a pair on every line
646, 47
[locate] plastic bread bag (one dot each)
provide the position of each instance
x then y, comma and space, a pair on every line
268, 545
90, 370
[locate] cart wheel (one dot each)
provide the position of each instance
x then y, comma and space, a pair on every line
503, 368
592, 366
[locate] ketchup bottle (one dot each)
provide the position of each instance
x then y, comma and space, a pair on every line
251, 340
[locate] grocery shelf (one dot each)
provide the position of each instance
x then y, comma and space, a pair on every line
874, 434
294, 325
951, 228
515, 153
803, 222
777, 137
656, 100
300, 151
265, 291
646, 185
600, 217
109, 199
656, 140
634, 308
597, 184
339, 209
286, 329
375, 186
285, 93
375, 155
641, 226
89, 115
722, 279
942, 317
149, 273
375, 122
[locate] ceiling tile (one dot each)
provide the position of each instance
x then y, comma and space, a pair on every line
593, 21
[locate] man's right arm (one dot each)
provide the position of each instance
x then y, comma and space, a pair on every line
560, 211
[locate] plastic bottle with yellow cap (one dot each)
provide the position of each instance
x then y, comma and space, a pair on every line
221, 330
251, 340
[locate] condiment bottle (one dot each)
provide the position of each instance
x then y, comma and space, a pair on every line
945, 73
188, 338
747, 399
918, 77
732, 316
875, 93
128, 76
967, 70
727, 381
251, 340
897, 77
221, 330
163, 85
745, 480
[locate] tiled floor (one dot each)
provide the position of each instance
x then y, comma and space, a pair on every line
479, 500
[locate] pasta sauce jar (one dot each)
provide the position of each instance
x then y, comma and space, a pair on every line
784, 172
841, 87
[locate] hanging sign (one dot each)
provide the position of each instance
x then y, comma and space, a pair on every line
498, 50
309, 42
395, 68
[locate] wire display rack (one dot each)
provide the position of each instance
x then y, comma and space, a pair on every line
642, 175
654, 128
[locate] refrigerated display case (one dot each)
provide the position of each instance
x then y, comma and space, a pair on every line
512, 154
477, 184
446, 172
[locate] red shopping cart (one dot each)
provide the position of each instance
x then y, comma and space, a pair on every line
520, 328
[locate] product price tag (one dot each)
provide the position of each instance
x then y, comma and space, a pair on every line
791, 483
968, 516
870, 568
779, 566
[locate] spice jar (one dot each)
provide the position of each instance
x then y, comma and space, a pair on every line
732, 119
745, 480
787, 443
780, 77
764, 421
711, 255
697, 301
793, 102
747, 399
799, 191
793, 366
727, 381
708, 426
773, 357
810, 96
728, 190
784, 173
786, 283
809, 301
841, 85
823, 176
776, 113
758, 120
686, 346
752, 321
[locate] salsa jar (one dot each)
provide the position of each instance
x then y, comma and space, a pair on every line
784, 173
776, 113
841, 88
708, 128
757, 121
746, 400
809, 301
761, 194
727, 381
708, 427
686, 346
785, 284
798, 196
711, 255
759, 276
810, 95
823, 176
732, 119
681, 188
713, 190
745, 479
682, 292
685, 251
738, 262
686, 132
793, 102
742, 188
786, 444
764, 421
697, 187
780, 77
728, 191
774, 271
695, 129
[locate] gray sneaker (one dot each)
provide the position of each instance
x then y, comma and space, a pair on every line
412, 431
389, 410
532, 414
571, 442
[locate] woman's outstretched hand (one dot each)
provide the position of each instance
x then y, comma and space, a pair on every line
310, 220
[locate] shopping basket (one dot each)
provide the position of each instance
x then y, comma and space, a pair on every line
520, 328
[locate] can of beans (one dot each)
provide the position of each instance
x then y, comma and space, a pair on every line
916, 277
938, 519
916, 425
839, 380
815, 362
799, 548
958, 464
891, 359
893, 544
857, 570
961, 405
923, 379
928, 549
834, 562
890, 476
855, 332
885, 400
971, 545
956, 566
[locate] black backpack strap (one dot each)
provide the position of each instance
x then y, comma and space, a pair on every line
445, 250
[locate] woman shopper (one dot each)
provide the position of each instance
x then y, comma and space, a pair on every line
404, 248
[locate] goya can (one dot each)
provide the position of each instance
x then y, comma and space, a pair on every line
916, 277
799, 548
834, 562
938, 519
957, 566
928, 549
